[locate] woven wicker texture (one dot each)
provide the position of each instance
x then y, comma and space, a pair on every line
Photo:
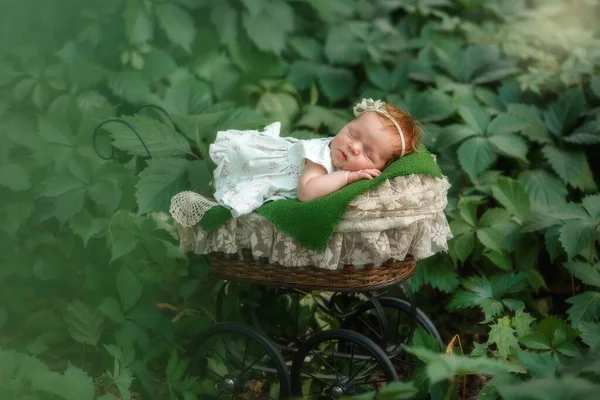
348, 279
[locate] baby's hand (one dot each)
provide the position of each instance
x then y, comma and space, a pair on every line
354, 176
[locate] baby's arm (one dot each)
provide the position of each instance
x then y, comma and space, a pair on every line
315, 182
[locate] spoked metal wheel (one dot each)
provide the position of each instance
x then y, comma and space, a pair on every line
400, 324
336, 363
238, 362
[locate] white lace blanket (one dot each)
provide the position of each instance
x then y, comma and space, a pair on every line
401, 216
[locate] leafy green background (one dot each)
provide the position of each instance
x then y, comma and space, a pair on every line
96, 300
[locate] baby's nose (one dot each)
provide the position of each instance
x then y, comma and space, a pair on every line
353, 148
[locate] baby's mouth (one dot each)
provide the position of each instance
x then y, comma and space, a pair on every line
344, 156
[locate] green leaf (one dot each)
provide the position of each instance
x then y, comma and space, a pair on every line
564, 113
452, 134
159, 182
476, 155
476, 117
441, 367
588, 273
538, 364
511, 195
511, 145
585, 307
505, 123
342, 46
463, 245
68, 204
571, 166
503, 336
592, 205
544, 188
138, 25
398, 391
550, 388
336, 83
14, 177
332, 10
595, 85
269, 28
86, 226
177, 24
129, 288
500, 258
522, 321
307, 47
576, 235
490, 238
590, 333
111, 308
161, 139
225, 18
84, 323
254, 7
429, 106
535, 129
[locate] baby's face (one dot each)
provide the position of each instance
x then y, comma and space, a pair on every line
362, 144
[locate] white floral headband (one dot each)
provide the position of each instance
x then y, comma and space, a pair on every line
378, 106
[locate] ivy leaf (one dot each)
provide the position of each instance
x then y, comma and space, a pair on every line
398, 391
535, 129
544, 188
588, 133
160, 181
177, 24
511, 195
343, 46
564, 113
500, 258
476, 117
588, 273
123, 233
585, 307
476, 155
571, 166
269, 28
111, 308
14, 177
576, 235
503, 336
129, 287
84, 323
161, 139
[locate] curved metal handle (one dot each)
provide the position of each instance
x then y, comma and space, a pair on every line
164, 112
112, 153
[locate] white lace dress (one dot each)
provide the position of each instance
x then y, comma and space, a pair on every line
255, 167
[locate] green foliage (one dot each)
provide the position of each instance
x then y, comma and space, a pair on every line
97, 301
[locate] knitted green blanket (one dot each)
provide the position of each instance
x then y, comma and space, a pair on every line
312, 223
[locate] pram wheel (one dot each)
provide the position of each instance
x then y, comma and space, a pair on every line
400, 322
239, 362
339, 362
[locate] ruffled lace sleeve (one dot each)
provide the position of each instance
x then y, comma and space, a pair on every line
316, 150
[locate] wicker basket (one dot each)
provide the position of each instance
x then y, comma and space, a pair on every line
348, 279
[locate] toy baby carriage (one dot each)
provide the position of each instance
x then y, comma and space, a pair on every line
309, 323
325, 321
